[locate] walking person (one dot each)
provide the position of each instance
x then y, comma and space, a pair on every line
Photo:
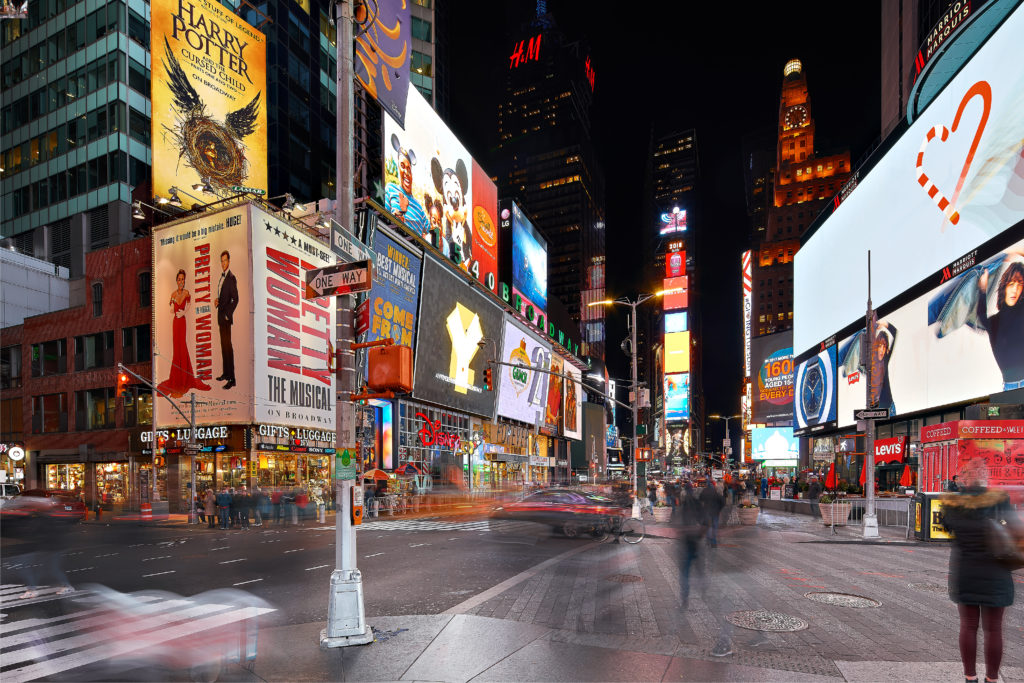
245, 508
712, 502
275, 500
236, 506
224, 507
691, 516
981, 587
210, 508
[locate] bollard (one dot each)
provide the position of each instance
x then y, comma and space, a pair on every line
323, 513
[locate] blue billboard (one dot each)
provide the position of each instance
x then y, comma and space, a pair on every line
677, 397
529, 262
774, 443
393, 300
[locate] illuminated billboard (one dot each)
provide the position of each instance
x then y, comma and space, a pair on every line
572, 413
774, 443
748, 305
553, 408
814, 402
529, 262
772, 380
430, 184
677, 397
522, 392
675, 322
677, 352
947, 340
949, 184
209, 93
675, 263
676, 293
382, 54
450, 362
673, 221
394, 296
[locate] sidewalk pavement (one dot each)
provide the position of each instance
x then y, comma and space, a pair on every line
611, 612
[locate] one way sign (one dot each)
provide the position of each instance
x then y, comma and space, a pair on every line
344, 278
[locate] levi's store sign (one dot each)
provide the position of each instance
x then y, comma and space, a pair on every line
890, 450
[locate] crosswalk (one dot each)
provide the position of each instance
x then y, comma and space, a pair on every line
483, 525
108, 629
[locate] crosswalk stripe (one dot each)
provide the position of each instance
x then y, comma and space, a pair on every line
37, 622
107, 650
99, 620
13, 597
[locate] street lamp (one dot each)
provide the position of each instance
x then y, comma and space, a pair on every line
624, 301
726, 418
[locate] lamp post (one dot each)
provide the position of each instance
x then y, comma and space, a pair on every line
632, 354
726, 418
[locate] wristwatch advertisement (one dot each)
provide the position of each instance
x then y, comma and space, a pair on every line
815, 400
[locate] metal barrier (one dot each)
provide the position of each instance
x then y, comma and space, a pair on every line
893, 512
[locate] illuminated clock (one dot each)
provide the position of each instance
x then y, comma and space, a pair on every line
796, 116
812, 391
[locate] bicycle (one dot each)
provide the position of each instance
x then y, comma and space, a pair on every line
627, 528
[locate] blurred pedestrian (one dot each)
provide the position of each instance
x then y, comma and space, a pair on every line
224, 507
275, 501
200, 508
712, 503
979, 584
45, 538
953, 487
210, 508
236, 506
691, 517
244, 508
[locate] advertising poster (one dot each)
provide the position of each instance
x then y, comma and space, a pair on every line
383, 51
573, 410
523, 393
202, 318
748, 305
775, 443
675, 263
675, 322
428, 185
293, 337
450, 361
677, 352
950, 183
958, 340
553, 410
676, 293
529, 262
485, 229
772, 385
209, 97
814, 404
394, 296
677, 397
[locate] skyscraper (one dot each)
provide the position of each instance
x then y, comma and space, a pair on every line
545, 159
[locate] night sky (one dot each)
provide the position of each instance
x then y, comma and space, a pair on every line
715, 67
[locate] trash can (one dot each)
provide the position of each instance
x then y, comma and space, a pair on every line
928, 518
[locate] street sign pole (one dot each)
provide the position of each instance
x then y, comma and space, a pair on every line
870, 521
346, 617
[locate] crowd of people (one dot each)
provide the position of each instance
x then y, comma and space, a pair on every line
238, 508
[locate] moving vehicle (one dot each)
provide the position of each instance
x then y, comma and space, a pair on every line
52, 504
8, 491
571, 512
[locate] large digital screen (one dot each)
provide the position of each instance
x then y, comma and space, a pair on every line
430, 184
673, 221
814, 402
774, 443
675, 263
953, 338
572, 413
677, 352
772, 381
209, 92
675, 322
677, 397
529, 262
949, 184
394, 295
553, 409
450, 362
522, 392
676, 293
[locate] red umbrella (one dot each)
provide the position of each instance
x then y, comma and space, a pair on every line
863, 473
830, 479
907, 479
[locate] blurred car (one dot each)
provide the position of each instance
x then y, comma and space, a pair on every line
565, 510
8, 491
52, 504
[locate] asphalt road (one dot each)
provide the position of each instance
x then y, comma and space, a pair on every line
409, 566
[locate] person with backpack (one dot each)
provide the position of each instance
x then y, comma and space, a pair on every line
980, 584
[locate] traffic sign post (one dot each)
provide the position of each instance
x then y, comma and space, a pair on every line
344, 278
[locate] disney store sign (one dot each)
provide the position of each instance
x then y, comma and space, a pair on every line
431, 435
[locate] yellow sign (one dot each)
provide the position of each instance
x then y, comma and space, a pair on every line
209, 97
254, 468
677, 352
938, 530
917, 516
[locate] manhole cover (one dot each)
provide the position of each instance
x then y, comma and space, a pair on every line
930, 587
843, 599
763, 620
625, 578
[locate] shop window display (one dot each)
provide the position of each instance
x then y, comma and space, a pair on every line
112, 484
232, 471
276, 470
68, 477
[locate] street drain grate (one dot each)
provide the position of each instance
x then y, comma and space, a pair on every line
625, 578
763, 620
930, 587
842, 599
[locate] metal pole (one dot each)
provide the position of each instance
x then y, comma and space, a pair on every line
636, 389
870, 521
193, 450
346, 618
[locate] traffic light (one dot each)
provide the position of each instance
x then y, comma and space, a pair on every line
489, 379
122, 385
161, 441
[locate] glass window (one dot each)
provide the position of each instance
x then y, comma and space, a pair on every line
421, 29
49, 413
138, 28
138, 408
97, 295
94, 351
138, 124
145, 290
10, 416
10, 367
94, 409
136, 344
421, 64
49, 358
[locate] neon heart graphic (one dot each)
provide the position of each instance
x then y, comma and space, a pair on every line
948, 206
